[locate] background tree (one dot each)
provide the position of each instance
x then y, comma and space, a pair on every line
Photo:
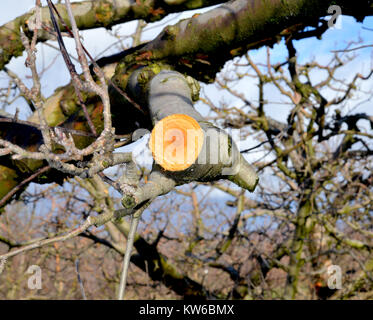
311, 209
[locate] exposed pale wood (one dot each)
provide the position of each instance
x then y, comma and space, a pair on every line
176, 142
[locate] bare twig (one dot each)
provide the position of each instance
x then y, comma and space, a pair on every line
97, 68
91, 221
71, 68
20, 185
127, 257
79, 279
354, 49
32, 124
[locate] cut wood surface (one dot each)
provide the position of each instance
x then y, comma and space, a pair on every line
176, 142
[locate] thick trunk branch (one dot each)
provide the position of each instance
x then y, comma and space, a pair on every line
88, 15
202, 44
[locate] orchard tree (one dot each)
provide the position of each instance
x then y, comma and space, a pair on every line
313, 184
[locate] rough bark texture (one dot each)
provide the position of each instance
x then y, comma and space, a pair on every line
88, 15
233, 28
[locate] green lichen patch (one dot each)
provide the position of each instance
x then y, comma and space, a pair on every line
104, 13
8, 180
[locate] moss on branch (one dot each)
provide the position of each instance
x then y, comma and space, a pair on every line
88, 15
200, 45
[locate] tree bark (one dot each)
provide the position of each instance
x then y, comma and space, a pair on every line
89, 15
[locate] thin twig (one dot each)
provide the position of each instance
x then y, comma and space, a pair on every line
43, 242
97, 67
91, 221
20, 185
79, 279
32, 124
71, 68
353, 49
135, 218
